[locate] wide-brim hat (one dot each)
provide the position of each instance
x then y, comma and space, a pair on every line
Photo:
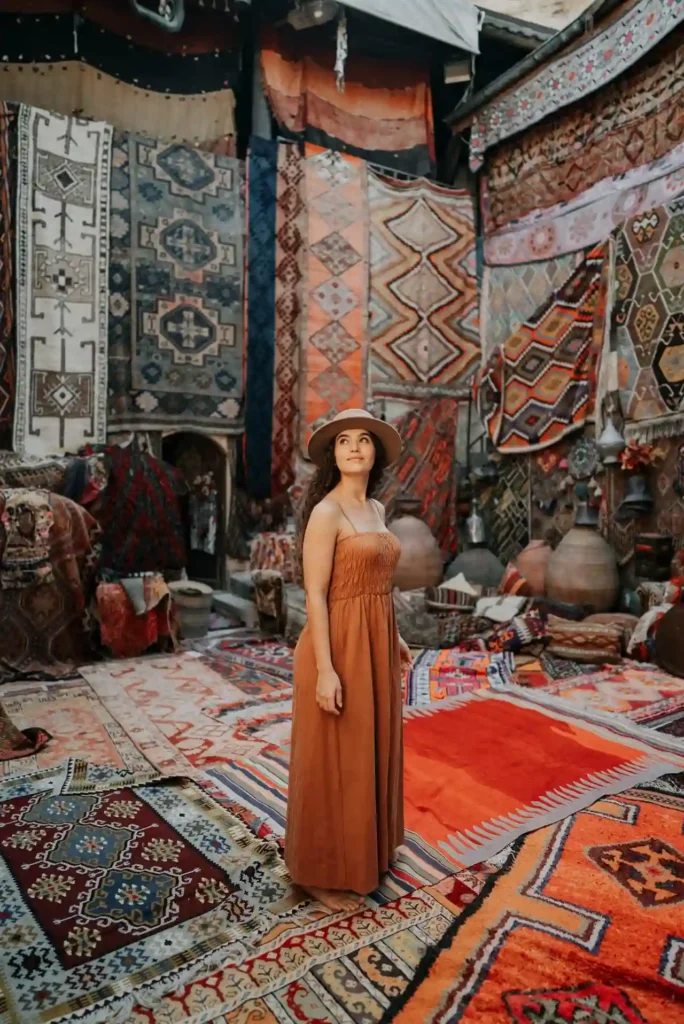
355, 419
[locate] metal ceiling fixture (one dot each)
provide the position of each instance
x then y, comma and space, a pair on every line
309, 13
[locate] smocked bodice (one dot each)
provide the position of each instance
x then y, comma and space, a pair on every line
364, 564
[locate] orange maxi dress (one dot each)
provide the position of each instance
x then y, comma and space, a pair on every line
345, 805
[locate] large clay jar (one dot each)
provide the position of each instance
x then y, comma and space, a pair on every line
532, 563
420, 564
583, 571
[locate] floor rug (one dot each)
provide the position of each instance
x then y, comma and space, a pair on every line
264, 656
548, 366
648, 335
164, 705
335, 327
125, 895
584, 925
177, 288
485, 768
425, 337
642, 692
330, 970
62, 279
437, 675
79, 725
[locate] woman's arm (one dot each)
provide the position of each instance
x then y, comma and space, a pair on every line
318, 555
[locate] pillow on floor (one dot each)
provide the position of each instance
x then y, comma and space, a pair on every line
591, 642
514, 582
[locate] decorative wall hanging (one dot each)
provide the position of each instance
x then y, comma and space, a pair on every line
176, 358
542, 385
289, 281
62, 300
512, 294
384, 114
109, 64
583, 70
648, 318
616, 140
335, 330
423, 289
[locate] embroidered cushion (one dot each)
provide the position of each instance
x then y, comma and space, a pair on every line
521, 632
592, 642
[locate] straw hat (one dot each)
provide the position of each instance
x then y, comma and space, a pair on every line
355, 419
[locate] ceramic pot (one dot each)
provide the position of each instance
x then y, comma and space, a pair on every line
532, 563
420, 564
583, 570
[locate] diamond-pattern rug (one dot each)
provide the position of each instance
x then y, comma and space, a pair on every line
176, 287
648, 318
425, 337
62, 298
335, 329
125, 894
544, 379
583, 926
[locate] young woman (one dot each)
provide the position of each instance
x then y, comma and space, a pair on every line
345, 806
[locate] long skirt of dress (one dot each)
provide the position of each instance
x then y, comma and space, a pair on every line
345, 803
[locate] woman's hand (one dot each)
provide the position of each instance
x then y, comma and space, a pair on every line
329, 692
405, 655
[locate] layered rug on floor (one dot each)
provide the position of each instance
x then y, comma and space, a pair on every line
585, 924
643, 693
123, 895
437, 675
484, 768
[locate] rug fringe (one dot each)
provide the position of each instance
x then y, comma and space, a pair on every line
652, 430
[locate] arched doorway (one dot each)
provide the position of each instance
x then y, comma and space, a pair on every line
203, 464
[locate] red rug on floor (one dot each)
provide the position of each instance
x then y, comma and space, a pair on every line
486, 767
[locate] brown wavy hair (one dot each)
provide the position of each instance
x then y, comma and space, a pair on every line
327, 477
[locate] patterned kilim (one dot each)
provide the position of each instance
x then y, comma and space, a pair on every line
425, 468
648, 317
583, 927
124, 894
327, 969
7, 339
176, 359
289, 275
80, 727
512, 294
550, 762
642, 692
549, 364
62, 229
597, 145
438, 675
161, 703
43, 626
260, 288
425, 337
552, 511
507, 509
335, 330
575, 74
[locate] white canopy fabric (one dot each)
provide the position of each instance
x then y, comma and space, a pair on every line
455, 22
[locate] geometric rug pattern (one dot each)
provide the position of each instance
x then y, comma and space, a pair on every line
584, 926
425, 338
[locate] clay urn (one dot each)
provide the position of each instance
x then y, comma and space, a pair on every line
532, 563
420, 564
583, 571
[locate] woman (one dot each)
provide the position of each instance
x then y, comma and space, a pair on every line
345, 806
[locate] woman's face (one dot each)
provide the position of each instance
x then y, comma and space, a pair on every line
354, 452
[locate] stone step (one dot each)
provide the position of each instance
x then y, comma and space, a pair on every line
242, 585
236, 607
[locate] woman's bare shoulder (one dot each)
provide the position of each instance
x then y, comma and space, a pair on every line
380, 507
325, 514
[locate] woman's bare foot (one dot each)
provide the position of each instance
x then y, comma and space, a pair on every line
334, 899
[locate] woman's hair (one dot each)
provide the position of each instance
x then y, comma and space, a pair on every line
327, 476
